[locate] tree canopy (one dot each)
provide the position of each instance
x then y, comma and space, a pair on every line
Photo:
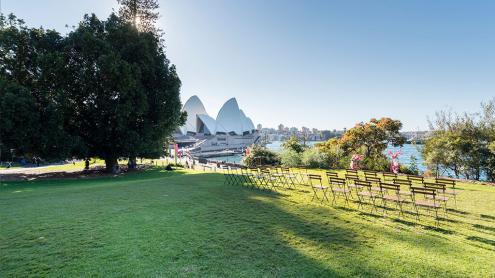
463, 144
140, 13
373, 137
105, 90
293, 144
31, 99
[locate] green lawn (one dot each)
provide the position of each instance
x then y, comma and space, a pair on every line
190, 224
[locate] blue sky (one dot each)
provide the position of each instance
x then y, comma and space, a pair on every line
324, 64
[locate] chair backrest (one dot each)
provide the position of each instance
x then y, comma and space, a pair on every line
351, 171
366, 184
368, 173
389, 175
373, 179
384, 186
336, 181
265, 171
285, 170
314, 179
423, 191
447, 182
417, 179
351, 177
403, 182
332, 174
433, 185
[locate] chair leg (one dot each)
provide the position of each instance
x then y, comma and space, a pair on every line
314, 196
436, 217
373, 202
325, 194
400, 209
334, 201
417, 212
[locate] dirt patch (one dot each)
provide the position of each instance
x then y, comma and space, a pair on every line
95, 172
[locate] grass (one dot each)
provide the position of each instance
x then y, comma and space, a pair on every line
189, 224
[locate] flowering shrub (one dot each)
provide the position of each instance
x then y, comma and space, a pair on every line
355, 159
395, 166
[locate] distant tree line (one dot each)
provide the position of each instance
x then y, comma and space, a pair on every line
104, 90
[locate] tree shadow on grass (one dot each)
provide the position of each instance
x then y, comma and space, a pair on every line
483, 227
288, 230
287, 243
487, 217
482, 240
99, 180
451, 210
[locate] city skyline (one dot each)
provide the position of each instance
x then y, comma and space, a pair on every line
323, 64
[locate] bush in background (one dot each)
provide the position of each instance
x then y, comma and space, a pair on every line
260, 156
290, 158
314, 158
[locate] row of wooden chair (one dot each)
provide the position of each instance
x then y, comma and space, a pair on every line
370, 189
444, 186
366, 188
264, 178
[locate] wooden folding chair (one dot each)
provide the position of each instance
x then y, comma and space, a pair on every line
338, 188
389, 176
234, 174
449, 184
248, 177
352, 172
269, 181
317, 186
365, 192
369, 173
391, 193
375, 182
425, 197
332, 174
290, 177
405, 187
416, 179
279, 177
228, 176
350, 181
440, 190
350, 178
256, 177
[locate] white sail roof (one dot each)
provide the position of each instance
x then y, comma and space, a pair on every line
247, 124
206, 124
193, 107
229, 119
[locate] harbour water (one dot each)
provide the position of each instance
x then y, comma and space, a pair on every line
407, 151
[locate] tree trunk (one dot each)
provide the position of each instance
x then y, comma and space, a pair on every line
111, 165
86, 164
132, 163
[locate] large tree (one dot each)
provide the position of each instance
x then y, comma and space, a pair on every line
123, 92
31, 102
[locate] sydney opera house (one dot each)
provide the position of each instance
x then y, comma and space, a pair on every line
231, 130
